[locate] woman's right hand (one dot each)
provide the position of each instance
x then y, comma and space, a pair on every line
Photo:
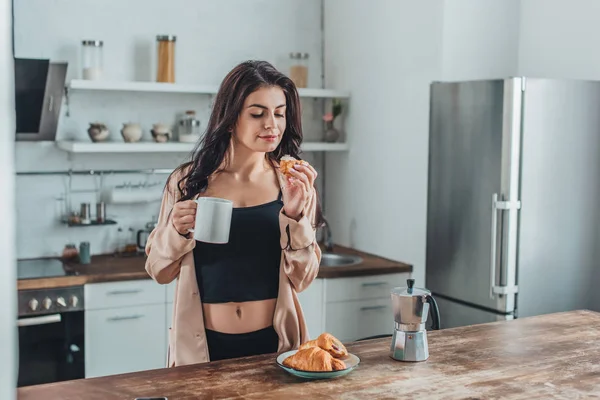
184, 216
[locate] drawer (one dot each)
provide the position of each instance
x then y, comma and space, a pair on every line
124, 340
123, 294
363, 287
357, 319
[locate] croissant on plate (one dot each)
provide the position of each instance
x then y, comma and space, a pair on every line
314, 359
329, 343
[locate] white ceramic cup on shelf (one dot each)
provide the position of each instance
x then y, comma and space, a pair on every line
213, 220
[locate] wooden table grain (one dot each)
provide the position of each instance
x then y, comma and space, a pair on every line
550, 356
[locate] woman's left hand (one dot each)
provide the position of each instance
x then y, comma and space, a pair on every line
298, 190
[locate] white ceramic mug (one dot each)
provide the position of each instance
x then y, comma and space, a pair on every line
213, 220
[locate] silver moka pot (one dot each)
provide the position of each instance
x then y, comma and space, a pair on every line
411, 307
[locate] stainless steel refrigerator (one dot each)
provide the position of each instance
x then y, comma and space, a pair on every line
513, 213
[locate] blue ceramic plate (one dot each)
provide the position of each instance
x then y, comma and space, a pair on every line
350, 360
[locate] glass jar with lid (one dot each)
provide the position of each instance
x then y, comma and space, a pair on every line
189, 128
92, 59
165, 71
299, 69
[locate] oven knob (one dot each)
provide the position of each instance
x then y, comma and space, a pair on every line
33, 304
47, 303
61, 302
74, 301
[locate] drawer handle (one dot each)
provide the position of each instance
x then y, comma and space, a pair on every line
372, 308
369, 284
124, 318
124, 291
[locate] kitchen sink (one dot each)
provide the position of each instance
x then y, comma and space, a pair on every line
339, 260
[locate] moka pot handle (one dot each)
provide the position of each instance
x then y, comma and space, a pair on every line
434, 312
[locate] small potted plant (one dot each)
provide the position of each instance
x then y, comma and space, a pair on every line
331, 133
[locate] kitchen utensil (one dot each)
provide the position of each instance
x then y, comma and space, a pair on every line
100, 212
86, 213
213, 220
142, 235
411, 306
350, 360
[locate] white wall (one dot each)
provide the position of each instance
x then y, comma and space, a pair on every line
480, 39
8, 291
380, 187
559, 39
212, 37
385, 53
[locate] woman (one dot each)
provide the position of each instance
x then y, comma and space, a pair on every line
240, 298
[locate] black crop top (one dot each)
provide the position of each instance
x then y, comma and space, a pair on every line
247, 267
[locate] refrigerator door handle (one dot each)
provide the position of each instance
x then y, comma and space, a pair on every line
494, 243
499, 205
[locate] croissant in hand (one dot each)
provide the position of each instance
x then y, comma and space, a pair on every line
314, 359
329, 343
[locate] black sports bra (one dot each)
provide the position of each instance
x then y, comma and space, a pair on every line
247, 267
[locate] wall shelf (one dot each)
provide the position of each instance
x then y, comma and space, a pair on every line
92, 223
152, 147
132, 86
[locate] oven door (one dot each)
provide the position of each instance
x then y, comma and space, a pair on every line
51, 348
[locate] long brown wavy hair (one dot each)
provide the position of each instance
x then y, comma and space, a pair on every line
210, 152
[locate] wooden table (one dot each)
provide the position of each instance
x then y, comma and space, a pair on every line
551, 356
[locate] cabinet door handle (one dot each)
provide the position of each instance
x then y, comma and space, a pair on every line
133, 291
126, 317
372, 308
371, 284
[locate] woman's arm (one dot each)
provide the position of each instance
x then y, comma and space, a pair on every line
165, 247
301, 253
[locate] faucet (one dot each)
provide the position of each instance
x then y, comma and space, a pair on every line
327, 236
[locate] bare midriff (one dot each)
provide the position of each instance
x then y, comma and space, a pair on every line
245, 317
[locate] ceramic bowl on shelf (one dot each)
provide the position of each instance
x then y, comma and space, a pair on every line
131, 132
98, 132
161, 133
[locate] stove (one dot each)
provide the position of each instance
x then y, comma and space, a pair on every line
40, 268
51, 326
51, 300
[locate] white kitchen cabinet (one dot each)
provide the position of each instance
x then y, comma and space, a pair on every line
356, 319
127, 339
312, 301
125, 327
125, 293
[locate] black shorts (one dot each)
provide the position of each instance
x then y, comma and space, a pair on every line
222, 346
